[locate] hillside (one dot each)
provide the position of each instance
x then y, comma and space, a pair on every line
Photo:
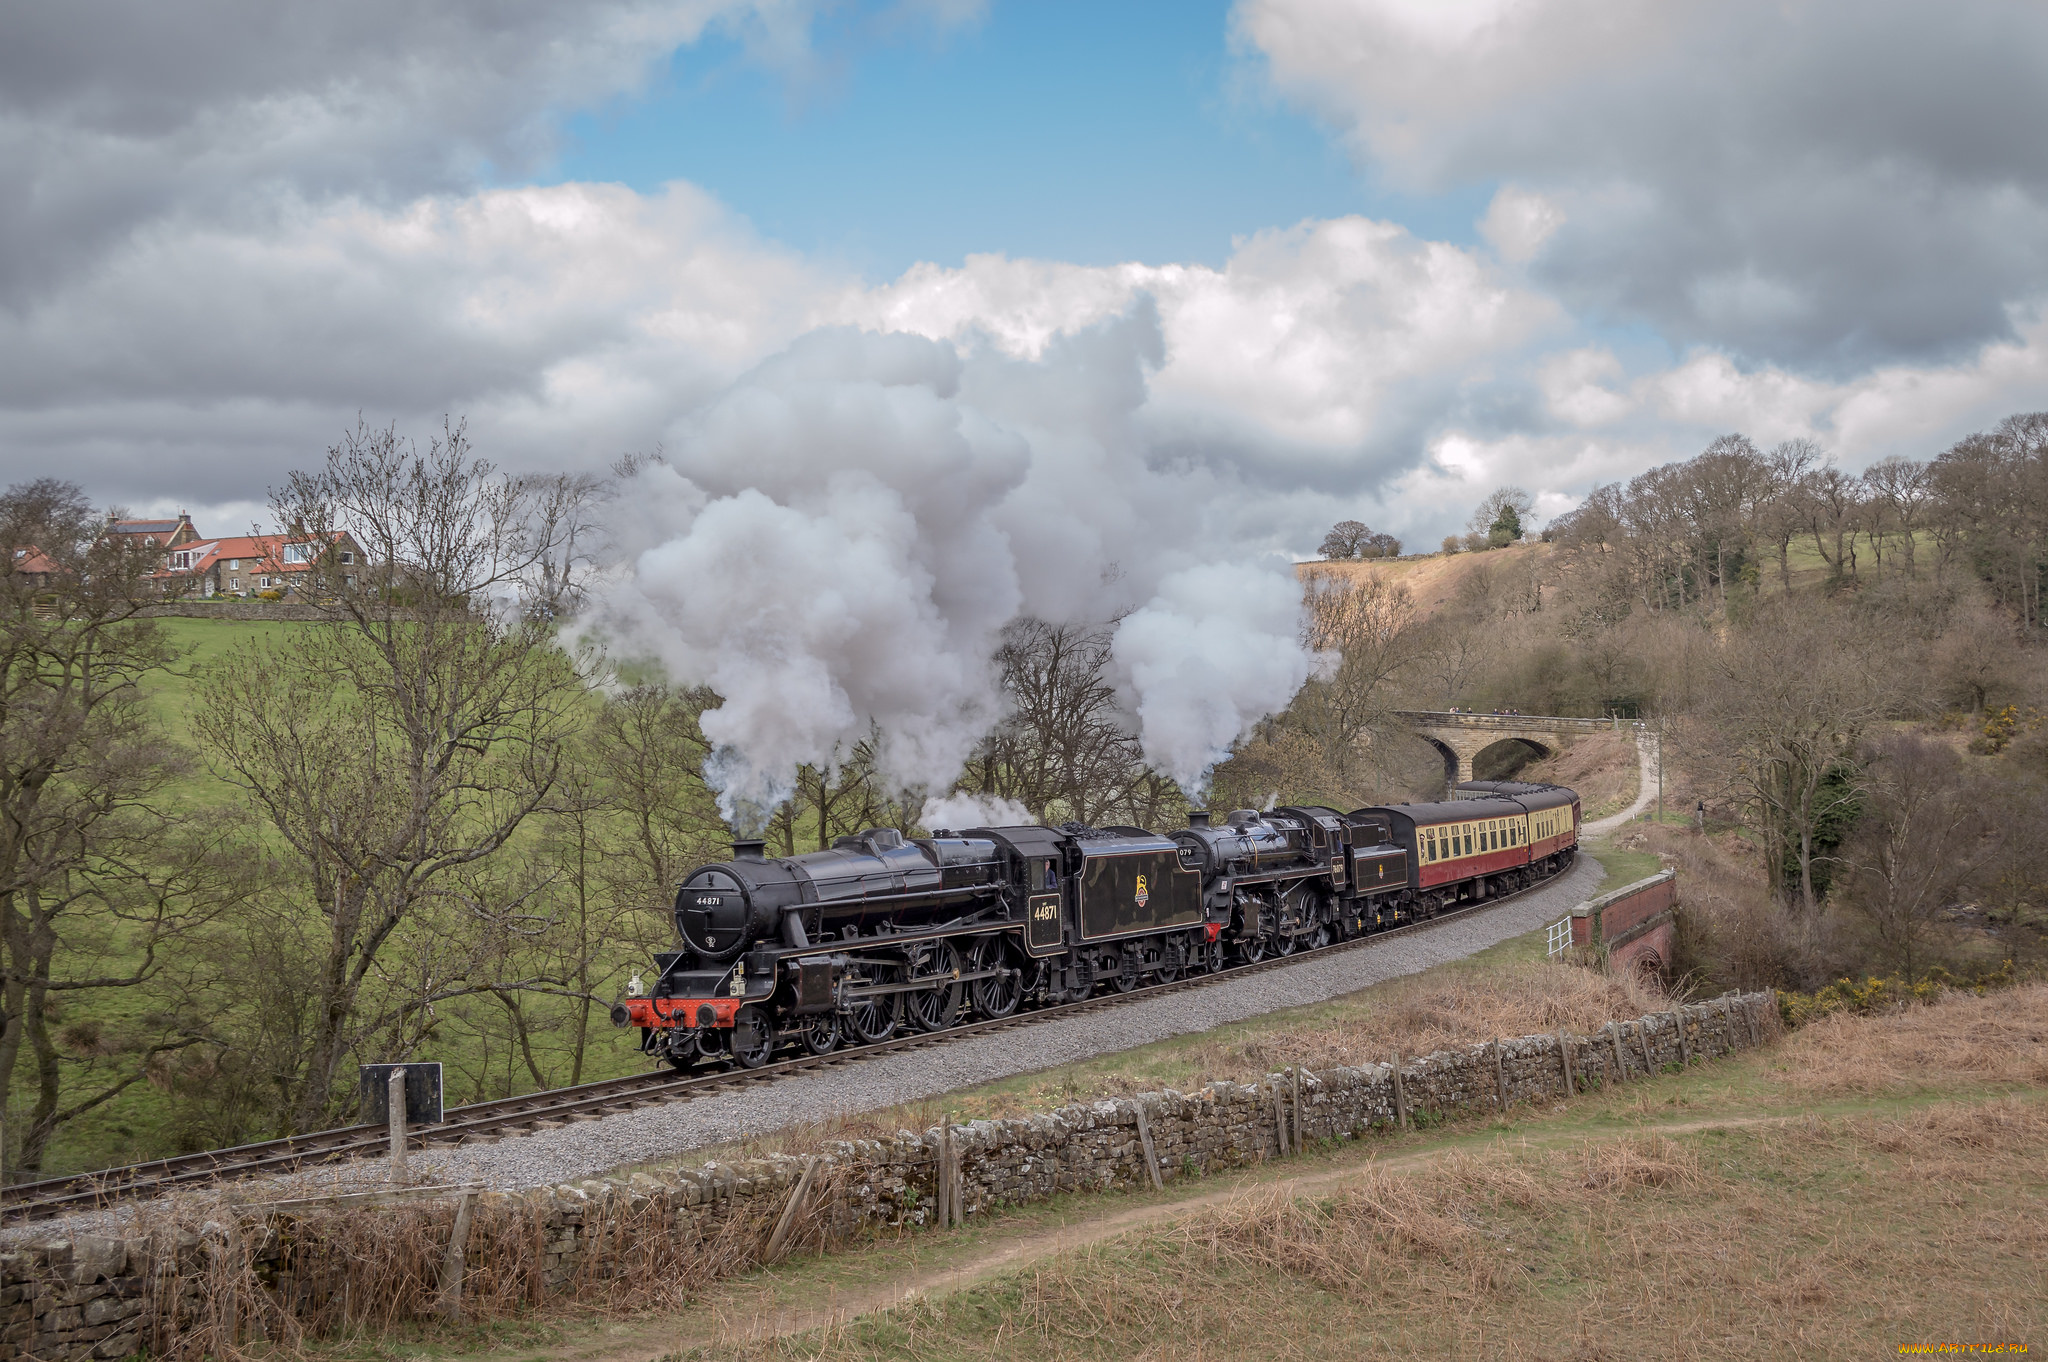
1434, 580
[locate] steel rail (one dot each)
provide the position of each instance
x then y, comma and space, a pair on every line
591, 1101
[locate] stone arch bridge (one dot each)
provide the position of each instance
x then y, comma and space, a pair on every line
1459, 737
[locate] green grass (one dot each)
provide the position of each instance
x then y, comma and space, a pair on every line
138, 1123
1622, 866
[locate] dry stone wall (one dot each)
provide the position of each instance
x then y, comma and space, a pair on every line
88, 1297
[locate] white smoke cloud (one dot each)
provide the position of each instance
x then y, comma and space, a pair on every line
1207, 656
973, 811
839, 539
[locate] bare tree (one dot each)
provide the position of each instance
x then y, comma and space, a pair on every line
1921, 838
97, 878
1065, 750
1346, 539
1787, 466
1362, 626
396, 747
1832, 502
1899, 490
1790, 698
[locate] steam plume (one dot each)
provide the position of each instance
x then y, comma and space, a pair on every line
845, 532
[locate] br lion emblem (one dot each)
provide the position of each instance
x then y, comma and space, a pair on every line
1143, 893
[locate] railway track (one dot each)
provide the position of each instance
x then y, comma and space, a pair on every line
487, 1122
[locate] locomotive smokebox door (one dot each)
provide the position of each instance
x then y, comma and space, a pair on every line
422, 1093
814, 986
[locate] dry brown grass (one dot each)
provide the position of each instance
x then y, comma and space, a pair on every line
1603, 768
2001, 1037
1439, 1011
1838, 1238
266, 1286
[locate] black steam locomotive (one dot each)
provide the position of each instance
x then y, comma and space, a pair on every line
879, 934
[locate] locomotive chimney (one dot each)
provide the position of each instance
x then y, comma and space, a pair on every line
1198, 818
748, 849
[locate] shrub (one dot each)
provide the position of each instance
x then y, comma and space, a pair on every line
2001, 726
1875, 995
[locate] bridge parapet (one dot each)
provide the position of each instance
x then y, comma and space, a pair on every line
1457, 718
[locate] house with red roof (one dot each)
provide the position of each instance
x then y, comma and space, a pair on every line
33, 565
253, 564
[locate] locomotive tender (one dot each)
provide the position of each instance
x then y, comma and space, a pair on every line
879, 933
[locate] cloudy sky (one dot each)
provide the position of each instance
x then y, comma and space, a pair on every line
1316, 258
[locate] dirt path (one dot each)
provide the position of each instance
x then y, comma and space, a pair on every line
1646, 790
747, 1310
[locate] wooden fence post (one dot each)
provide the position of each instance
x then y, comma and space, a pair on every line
394, 1100
1400, 1093
1145, 1143
455, 1261
1684, 1050
956, 1191
789, 1212
1279, 1123
1294, 1111
1643, 1038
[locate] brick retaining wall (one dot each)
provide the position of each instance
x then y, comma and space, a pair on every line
94, 1297
1631, 927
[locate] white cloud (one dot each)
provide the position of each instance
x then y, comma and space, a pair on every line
1316, 338
1831, 183
1518, 223
1578, 387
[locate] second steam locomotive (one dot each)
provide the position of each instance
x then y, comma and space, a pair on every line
878, 934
